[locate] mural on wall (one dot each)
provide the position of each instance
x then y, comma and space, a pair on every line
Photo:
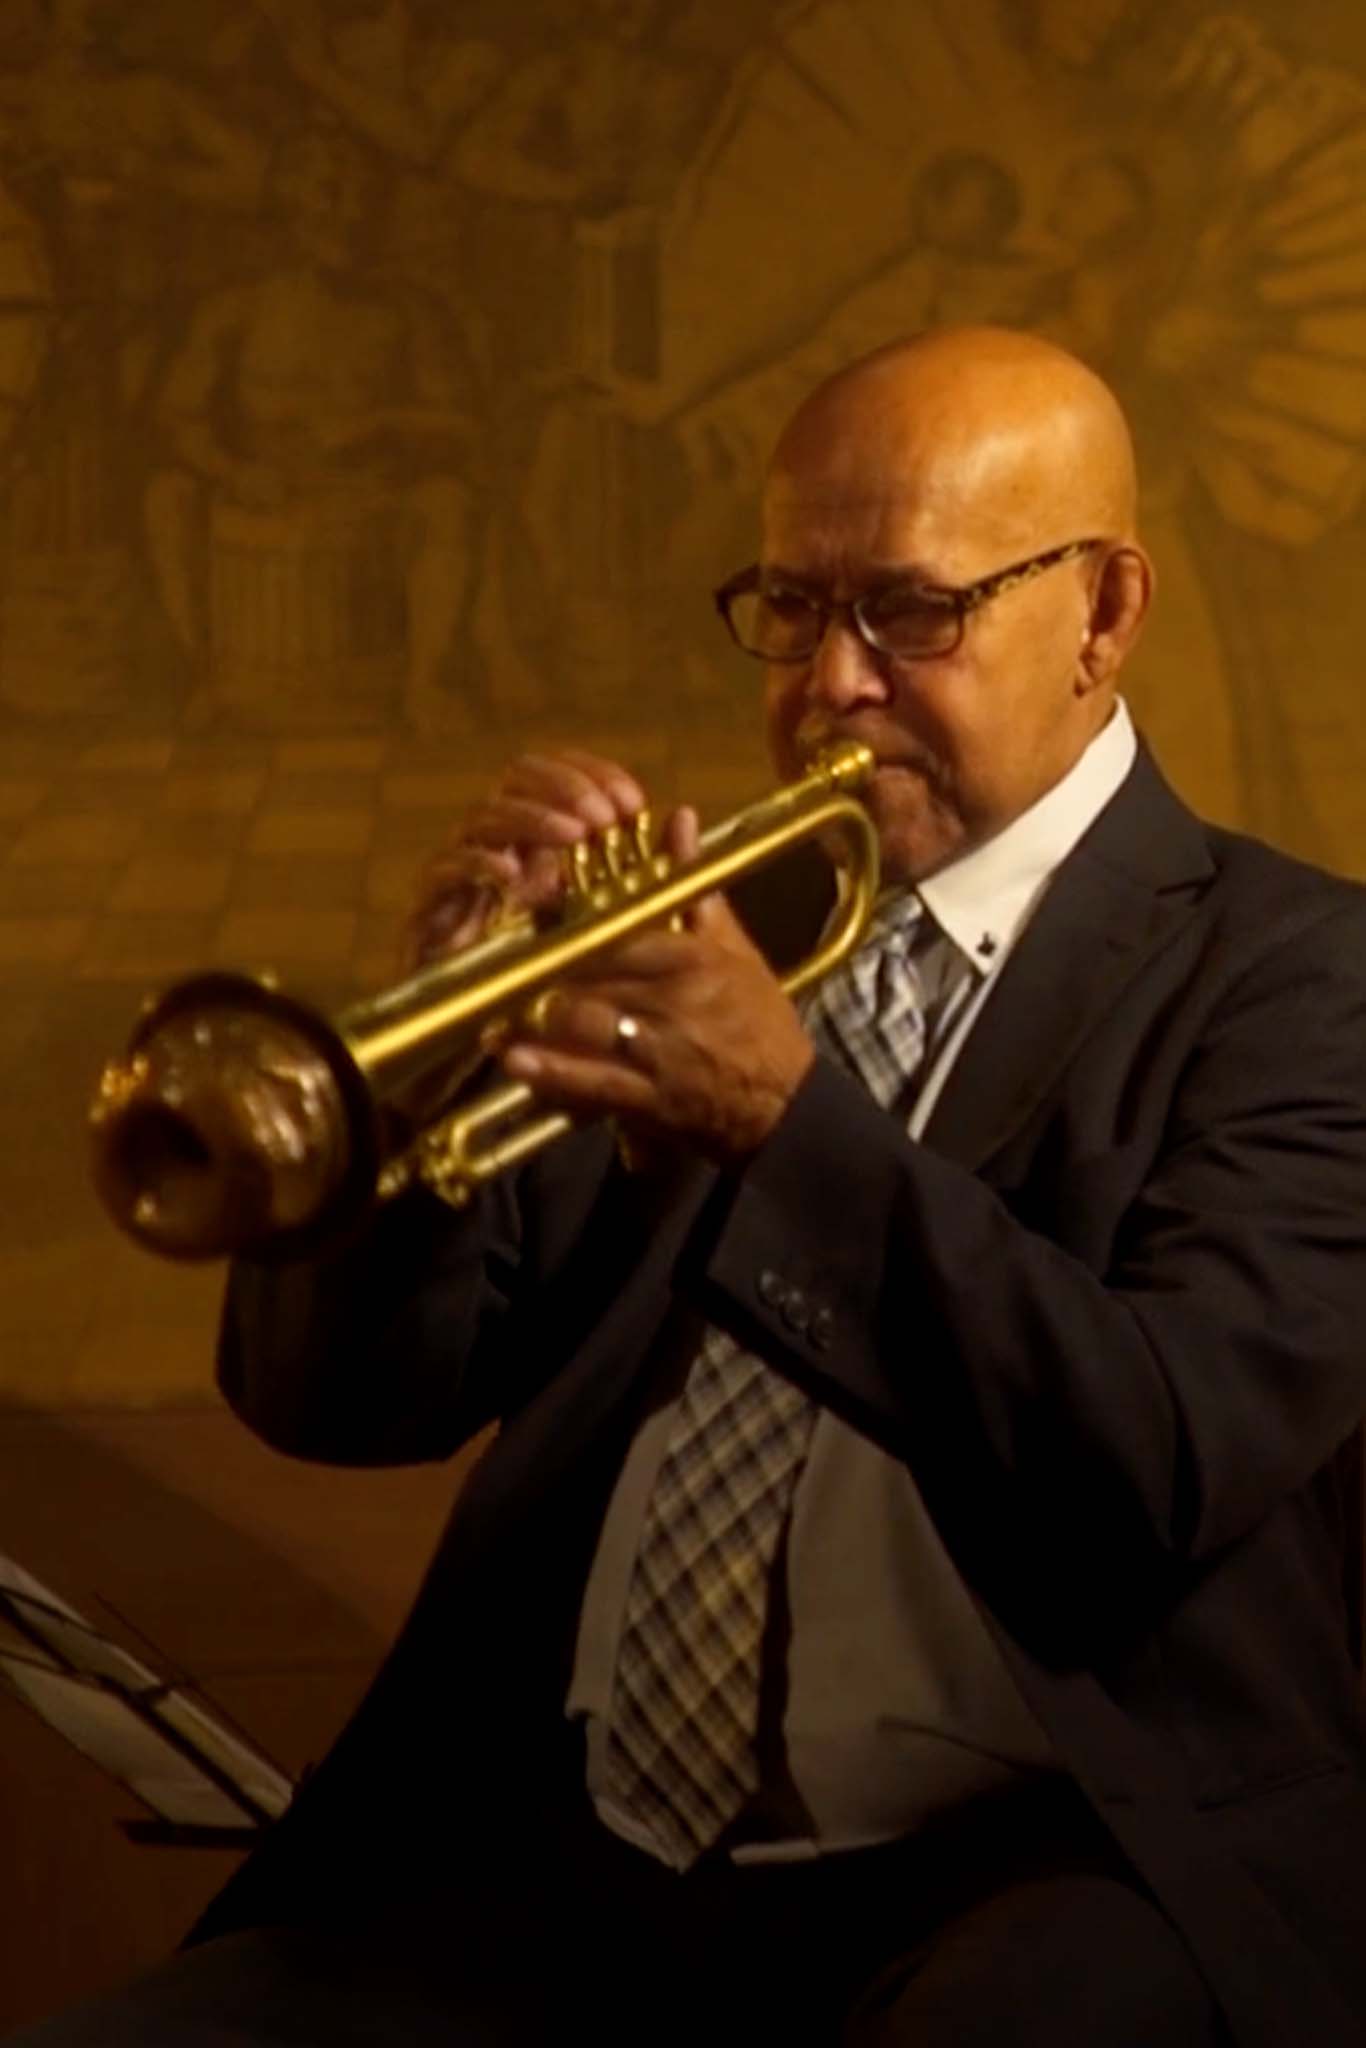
306, 350
382, 383
362, 368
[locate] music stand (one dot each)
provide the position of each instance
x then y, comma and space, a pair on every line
203, 1784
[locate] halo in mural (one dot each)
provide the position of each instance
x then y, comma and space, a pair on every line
878, 166
1174, 195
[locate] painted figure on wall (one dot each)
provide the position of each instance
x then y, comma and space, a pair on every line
406, 86
581, 144
100, 150
312, 545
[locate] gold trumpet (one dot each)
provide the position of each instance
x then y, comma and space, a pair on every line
242, 1120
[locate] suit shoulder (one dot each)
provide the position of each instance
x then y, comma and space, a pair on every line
1261, 898
1250, 868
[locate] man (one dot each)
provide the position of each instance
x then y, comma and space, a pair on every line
903, 1601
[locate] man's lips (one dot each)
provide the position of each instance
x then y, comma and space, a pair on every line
892, 763
900, 768
888, 749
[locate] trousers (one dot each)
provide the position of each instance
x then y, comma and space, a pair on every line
1013, 1922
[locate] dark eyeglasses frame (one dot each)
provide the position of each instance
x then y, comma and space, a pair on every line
962, 601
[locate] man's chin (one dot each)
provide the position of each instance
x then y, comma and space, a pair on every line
916, 835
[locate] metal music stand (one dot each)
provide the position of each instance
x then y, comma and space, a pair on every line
203, 1784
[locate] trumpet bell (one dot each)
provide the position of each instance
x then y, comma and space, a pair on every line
237, 1117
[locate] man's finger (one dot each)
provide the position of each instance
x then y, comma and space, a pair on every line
577, 1081
681, 833
513, 821
618, 782
566, 1021
562, 784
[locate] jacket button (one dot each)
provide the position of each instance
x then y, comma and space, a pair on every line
821, 1329
771, 1288
796, 1311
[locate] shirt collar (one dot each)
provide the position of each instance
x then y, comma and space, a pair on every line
984, 899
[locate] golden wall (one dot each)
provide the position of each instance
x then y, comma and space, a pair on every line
383, 383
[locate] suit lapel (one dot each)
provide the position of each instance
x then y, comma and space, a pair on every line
1127, 886
611, 1326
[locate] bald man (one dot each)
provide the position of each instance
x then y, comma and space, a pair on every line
903, 1603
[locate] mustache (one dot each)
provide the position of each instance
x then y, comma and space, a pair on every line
891, 749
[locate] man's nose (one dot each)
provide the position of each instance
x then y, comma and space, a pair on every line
845, 670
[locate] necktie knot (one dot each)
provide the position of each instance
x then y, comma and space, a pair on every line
898, 926
870, 1013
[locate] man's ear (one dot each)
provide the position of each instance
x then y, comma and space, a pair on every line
1119, 605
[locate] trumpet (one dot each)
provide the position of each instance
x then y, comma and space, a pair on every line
242, 1120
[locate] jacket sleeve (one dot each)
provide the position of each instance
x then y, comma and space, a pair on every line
1151, 1405
403, 1343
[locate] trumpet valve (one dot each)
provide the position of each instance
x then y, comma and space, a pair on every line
611, 866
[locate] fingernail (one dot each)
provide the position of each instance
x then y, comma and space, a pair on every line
522, 1061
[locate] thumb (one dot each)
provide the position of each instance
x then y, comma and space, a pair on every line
681, 833
681, 838
710, 916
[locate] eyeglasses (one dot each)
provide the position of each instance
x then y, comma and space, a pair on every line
777, 622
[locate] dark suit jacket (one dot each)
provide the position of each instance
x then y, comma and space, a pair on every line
1112, 1312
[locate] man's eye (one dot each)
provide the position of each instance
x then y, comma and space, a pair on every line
912, 622
786, 607
889, 606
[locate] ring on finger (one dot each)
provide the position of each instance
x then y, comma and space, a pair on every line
626, 1036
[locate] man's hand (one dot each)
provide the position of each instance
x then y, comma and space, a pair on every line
712, 1051
510, 849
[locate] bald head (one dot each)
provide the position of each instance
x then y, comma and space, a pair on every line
1003, 439
901, 501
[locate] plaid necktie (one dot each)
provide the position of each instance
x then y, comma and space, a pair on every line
870, 1013
680, 1753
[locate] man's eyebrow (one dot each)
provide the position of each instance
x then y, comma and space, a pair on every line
779, 572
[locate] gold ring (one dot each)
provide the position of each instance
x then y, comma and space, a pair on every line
625, 1036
